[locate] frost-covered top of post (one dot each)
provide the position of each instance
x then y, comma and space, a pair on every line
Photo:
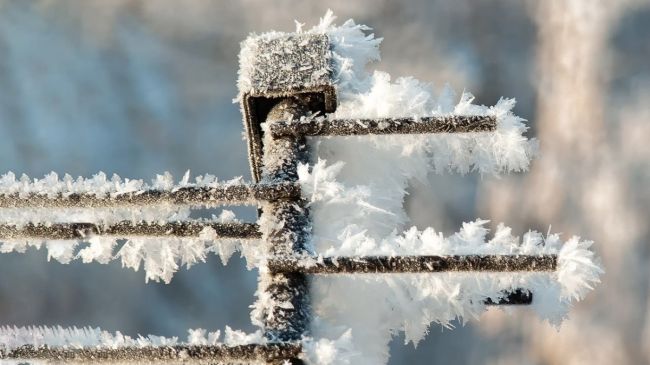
281, 64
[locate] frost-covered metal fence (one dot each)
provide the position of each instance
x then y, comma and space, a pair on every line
287, 91
289, 261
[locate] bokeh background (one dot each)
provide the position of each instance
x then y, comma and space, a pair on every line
141, 87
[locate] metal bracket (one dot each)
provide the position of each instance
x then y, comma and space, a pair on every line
282, 65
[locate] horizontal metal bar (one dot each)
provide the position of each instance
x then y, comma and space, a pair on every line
415, 264
514, 297
221, 353
191, 195
75, 231
354, 127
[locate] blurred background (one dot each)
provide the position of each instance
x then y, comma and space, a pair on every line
138, 88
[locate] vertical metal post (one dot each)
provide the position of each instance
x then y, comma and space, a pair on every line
285, 229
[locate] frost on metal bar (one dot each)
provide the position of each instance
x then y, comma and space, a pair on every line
74, 231
90, 345
353, 127
286, 311
192, 195
270, 352
416, 264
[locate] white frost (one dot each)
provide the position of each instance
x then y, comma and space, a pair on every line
12, 337
357, 186
331, 352
101, 186
160, 257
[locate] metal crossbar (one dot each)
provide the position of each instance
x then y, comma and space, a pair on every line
192, 196
273, 353
357, 127
125, 229
415, 264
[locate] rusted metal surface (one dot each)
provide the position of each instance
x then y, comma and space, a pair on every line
356, 127
76, 231
415, 264
220, 354
192, 196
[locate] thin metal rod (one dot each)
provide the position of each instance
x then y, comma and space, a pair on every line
416, 264
355, 127
193, 196
270, 353
75, 231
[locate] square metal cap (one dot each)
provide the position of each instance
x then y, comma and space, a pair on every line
277, 65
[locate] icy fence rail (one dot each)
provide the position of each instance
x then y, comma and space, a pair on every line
94, 345
278, 194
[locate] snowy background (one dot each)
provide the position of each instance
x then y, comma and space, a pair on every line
138, 88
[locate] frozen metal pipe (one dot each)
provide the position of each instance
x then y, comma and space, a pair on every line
271, 353
356, 127
76, 231
237, 194
415, 264
289, 234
